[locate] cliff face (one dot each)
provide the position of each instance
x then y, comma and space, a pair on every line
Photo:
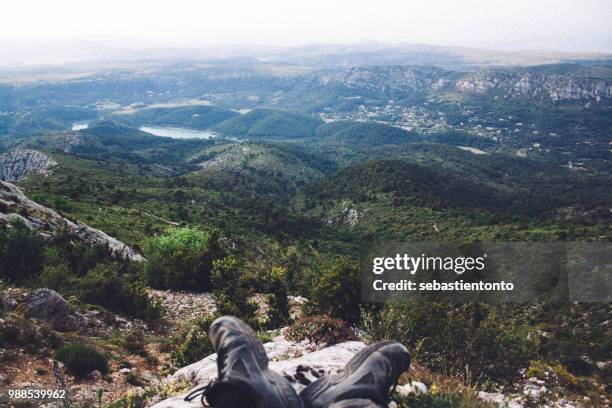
388, 78
14, 205
21, 163
556, 87
428, 79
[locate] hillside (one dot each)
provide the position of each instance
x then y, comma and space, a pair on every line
362, 135
409, 81
266, 123
432, 193
258, 169
313, 163
109, 140
413, 184
15, 206
194, 117
38, 119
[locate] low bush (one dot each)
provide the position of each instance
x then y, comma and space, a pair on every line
338, 291
144, 397
56, 277
483, 342
276, 298
442, 401
265, 337
182, 259
321, 330
134, 344
232, 292
104, 286
21, 251
82, 360
23, 333
577, 334
193, 345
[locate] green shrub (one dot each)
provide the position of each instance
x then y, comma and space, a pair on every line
182, 259
82, 360
265, 337
338, 291
443, 401
232, 291
21, 251
487, 342
134, 344
121, 294
320, 330
278, 305
193, 345
78, 256
56, 277
21, 332
134, 379
574, 331
10, 334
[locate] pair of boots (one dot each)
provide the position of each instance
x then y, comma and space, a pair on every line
244, 379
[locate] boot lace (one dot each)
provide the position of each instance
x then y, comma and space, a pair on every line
200, 392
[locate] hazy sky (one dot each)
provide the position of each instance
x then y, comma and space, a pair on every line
571, 25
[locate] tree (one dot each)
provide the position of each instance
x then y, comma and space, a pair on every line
338, 291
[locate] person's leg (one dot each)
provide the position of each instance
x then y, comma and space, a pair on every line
244, 379
357, 403
366, 381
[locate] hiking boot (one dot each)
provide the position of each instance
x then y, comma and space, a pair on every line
357, 403
366, 381
244, 379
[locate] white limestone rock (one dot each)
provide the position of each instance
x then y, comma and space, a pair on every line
500, 400
19, 164
412, 388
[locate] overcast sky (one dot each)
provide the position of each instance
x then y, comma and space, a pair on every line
569, 25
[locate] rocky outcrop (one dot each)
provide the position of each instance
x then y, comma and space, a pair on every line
19, 164
388, 78
423, 80
14, 205
48, 305
555, 87
347, 215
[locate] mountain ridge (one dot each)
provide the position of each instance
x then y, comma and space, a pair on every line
16, 206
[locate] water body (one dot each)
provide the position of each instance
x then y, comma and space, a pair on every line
80, 125
177, 132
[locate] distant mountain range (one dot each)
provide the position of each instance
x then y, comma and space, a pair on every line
92, 54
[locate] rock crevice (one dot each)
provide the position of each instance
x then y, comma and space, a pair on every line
19, 164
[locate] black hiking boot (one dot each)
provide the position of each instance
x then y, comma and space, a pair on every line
244, 379
366, 381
